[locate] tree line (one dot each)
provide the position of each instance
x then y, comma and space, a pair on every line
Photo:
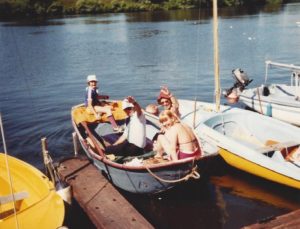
23, 8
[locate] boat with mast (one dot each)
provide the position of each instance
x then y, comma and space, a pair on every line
256, 144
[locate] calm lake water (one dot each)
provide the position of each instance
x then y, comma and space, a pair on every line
43, 74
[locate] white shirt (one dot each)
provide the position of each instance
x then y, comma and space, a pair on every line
135, 130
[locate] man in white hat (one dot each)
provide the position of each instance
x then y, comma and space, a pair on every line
93, 104
133, 139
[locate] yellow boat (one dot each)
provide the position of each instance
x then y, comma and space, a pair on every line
27, 197
257, 144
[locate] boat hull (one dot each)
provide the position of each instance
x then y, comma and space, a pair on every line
244, 138
144, 178
281, 111
257, 170
140, 180
42, 207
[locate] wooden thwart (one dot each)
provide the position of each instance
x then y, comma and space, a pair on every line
101, 201
17, 197
277, 146
8, 202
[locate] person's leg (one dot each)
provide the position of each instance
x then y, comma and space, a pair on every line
117, 150
107, 111
157, 147
133, 150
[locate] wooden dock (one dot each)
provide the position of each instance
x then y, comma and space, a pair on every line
288, 221
100, 200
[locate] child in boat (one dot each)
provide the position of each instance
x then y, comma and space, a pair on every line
93, 105
168, 100
178, 140
133, 140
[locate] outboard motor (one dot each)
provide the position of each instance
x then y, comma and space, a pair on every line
241, 81
241, 78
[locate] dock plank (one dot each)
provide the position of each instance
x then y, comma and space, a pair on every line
101, 201
288, 221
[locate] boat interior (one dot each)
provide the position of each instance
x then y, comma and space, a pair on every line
254, 136
105, 135
11, 203
280, 93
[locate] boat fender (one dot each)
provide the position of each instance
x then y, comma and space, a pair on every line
63, 189
269, 110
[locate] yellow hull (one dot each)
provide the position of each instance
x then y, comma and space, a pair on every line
40, 207
255, 169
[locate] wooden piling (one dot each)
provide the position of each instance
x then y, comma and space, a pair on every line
100, 200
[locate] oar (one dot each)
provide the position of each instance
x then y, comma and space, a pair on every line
91, 136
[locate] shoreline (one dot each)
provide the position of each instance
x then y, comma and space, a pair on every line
10, 10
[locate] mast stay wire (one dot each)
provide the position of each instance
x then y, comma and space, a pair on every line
26, 77
197, 52
8, 172
197, 64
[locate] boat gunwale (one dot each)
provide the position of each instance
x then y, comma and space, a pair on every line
245, 151
252, 98
97, 156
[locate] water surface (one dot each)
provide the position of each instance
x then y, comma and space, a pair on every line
43, 74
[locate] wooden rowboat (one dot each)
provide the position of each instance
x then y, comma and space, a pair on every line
144, 174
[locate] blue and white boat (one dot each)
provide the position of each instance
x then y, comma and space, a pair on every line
143, 174
280, 101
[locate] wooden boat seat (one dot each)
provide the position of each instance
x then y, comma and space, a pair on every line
8, 199
277, 146
80, 114
19, 196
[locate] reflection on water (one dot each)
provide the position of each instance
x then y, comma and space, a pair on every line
260, 190
199, 15
227, 198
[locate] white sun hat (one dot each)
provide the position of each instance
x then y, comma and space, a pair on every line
91, 78
126, 104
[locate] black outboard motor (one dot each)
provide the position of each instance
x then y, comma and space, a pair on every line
242, 79
241, 82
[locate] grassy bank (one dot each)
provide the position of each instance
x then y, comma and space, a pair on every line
23, 8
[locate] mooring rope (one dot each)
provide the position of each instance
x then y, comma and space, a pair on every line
259, 100
193, 174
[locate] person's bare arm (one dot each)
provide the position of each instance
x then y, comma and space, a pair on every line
137, 107
172, 137
121, 139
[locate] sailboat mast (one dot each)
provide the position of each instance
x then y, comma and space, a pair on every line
216, 54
